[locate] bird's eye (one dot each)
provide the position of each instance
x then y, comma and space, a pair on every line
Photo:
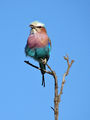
39, 27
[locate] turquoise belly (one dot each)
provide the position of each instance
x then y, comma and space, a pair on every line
38, 53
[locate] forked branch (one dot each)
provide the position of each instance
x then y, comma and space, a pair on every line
57, 97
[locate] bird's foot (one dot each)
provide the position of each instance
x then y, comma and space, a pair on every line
44, 61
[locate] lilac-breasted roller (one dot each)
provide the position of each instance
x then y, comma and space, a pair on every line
38, 45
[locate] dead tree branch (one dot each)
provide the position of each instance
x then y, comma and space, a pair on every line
27, 62
57, 97
65, 74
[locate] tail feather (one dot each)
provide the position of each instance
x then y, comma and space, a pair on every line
42, 66
43, 80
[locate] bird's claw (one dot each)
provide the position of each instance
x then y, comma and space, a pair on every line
44, 61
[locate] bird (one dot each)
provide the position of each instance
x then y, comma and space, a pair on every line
38, 46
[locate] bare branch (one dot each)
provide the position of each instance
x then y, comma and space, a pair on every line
65, 74
57, 97
48, 72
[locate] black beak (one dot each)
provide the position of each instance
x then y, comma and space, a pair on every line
31, 26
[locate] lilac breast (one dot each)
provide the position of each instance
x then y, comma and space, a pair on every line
37, 40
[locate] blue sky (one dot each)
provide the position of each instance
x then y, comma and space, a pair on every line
68, 25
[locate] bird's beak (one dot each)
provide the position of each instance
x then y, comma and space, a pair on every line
31, 26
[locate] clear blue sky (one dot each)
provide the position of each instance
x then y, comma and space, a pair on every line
68, 25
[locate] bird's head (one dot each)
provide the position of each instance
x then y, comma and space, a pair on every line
37, 27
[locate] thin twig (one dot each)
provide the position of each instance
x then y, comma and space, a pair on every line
65, 74
52, 108
48, 72
49, 68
